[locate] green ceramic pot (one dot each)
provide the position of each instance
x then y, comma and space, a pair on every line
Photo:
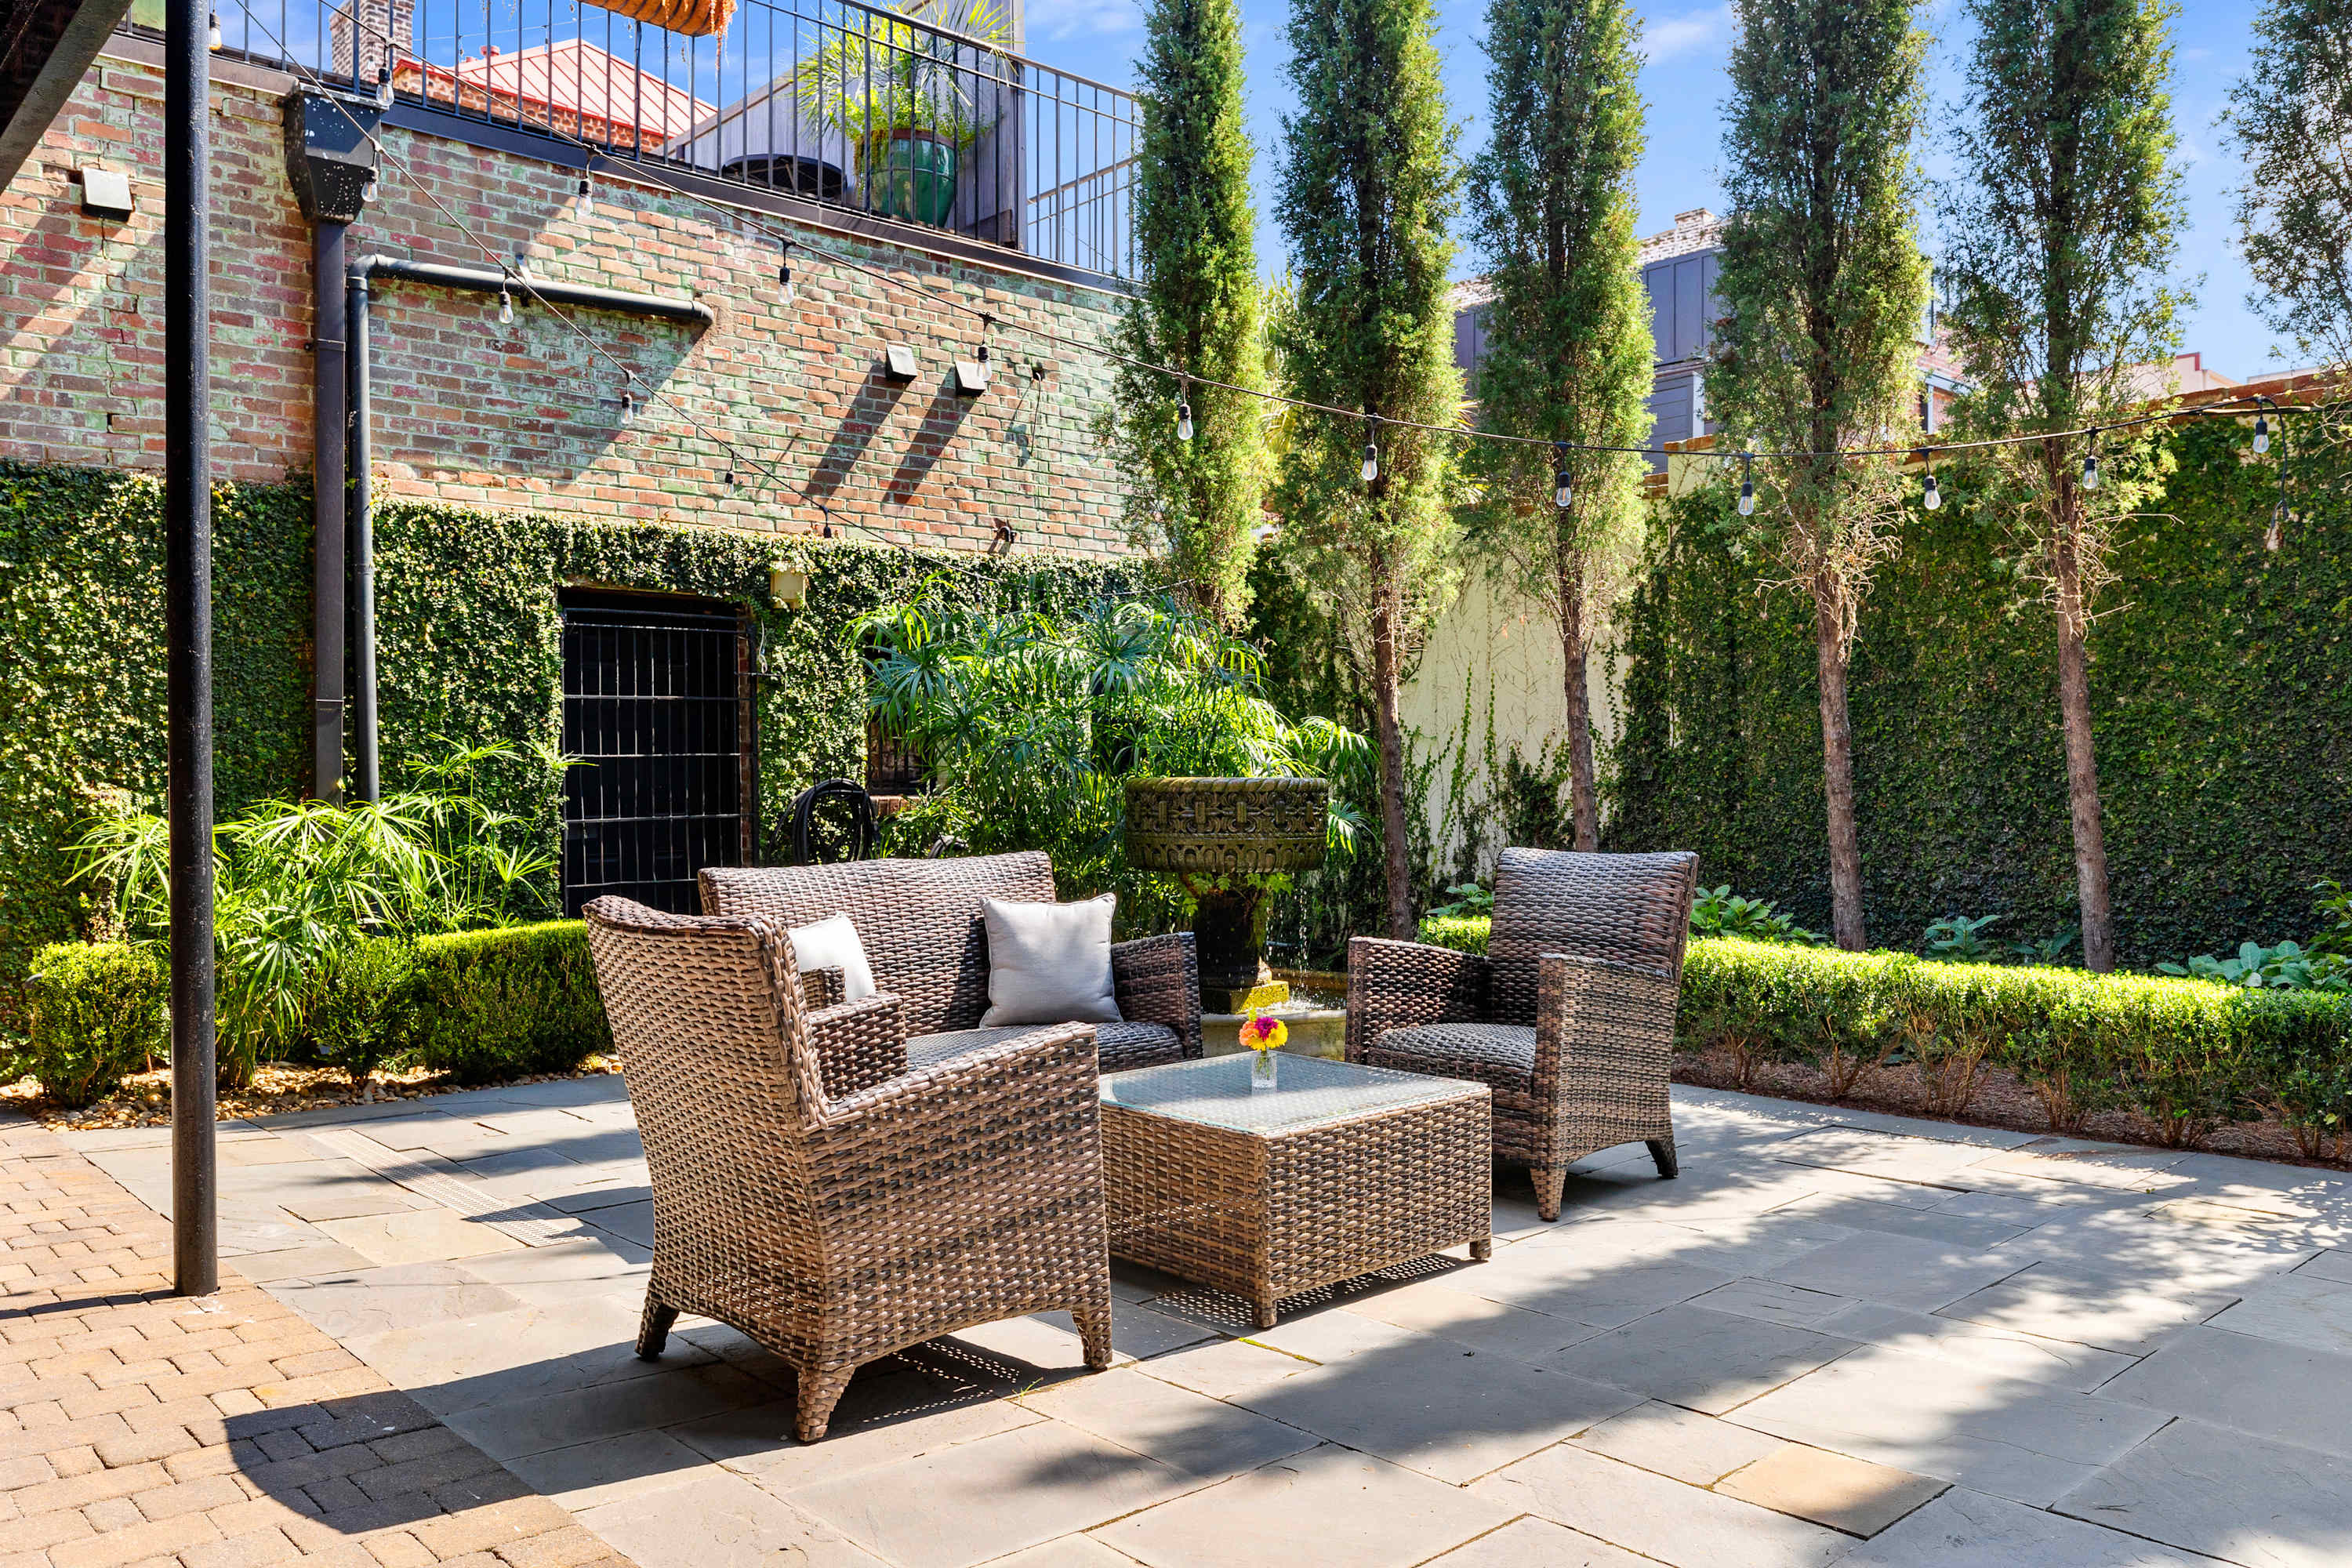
913, 176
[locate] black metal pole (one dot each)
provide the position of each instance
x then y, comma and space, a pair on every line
330, 507
188, 631
366, 780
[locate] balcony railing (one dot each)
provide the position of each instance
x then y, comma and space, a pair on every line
854, 107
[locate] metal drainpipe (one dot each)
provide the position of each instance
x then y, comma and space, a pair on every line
473, 280
329, 506
366, 782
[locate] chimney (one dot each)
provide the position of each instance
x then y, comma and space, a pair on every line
380, 20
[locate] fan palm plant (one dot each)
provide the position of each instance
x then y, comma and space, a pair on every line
908, 98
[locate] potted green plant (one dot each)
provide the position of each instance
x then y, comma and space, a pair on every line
903, 96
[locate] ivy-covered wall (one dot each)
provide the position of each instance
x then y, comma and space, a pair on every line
469, 651
2221, 679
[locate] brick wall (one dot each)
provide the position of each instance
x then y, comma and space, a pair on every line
529, 415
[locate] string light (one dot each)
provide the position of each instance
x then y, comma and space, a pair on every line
586, 198
628, 409
1183, 419
2262, 425
212, 31
1372, 461
784, 277
1747, 485
506, 307
1563, 492
368, 192
383, 85
1929, 496
2091, 462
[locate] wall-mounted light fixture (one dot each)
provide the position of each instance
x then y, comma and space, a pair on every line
900, 363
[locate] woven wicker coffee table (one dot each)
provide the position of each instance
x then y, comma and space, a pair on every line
1339, 1170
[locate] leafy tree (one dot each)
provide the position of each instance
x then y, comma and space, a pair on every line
2061, 237
2291, 115
1366, 189
1569, 351
1199, 309
1822, 286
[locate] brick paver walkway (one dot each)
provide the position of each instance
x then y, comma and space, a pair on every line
137, 1427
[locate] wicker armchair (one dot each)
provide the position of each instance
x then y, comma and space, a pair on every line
919, 921
810, 1190
1569, 1018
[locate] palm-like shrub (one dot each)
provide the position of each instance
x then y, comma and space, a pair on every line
297, 883
1030, 726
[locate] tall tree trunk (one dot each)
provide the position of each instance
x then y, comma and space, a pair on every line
1583, 798
2081, 763
1837, 777
1388, 615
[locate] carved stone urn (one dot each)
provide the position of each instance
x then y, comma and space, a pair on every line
1222, 837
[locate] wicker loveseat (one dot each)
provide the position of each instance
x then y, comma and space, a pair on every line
813, 1193
919, 921
1569, 1018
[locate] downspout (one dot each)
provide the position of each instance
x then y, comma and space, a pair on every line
474, 279
366, 782
330, 163
327, 506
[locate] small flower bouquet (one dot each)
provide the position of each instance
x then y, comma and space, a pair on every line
1264, 1037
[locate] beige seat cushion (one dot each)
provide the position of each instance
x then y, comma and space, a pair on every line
1500, 1056
1121, 1045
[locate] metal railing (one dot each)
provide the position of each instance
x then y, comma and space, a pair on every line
855, 107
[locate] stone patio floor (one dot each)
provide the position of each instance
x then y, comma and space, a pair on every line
1841, 1337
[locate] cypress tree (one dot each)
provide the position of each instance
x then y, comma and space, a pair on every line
1569, 351
1368, 188
1822, 287
1199, 309
2061, 235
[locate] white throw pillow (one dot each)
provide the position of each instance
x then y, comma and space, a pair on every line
833, 943
1049, 963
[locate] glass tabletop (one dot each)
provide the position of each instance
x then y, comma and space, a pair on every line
1215, 1091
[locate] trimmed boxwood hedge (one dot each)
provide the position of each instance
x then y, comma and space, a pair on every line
99, 1011
481, 1005
2187, 1055
500, 1003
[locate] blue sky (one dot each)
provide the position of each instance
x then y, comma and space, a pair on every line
1684, 84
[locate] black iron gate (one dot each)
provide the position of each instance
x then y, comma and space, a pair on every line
657, 707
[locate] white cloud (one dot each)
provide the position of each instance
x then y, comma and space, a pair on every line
1694, 31
1057, 20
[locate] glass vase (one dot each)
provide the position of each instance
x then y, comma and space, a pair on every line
1262, 1068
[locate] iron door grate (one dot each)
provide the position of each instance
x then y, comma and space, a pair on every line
655, 707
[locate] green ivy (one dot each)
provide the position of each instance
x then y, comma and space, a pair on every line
2224, 717
469, 651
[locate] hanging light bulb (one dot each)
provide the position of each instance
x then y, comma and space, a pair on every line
383, 85
628, 409
1746, 488
1183, 420
1372, 462
2090, 471
368, 192
212, 30
587, 198
1929, 496
784, 277
2262, 433
506, 308
1562, 491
